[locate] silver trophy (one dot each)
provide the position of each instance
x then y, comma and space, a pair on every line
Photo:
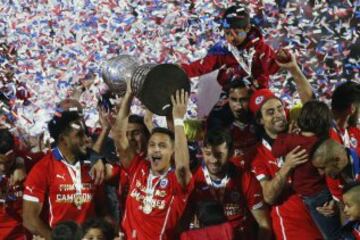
153, 84
117, 71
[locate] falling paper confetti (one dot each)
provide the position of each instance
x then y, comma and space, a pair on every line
50, 47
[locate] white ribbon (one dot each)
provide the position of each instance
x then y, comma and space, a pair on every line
75, 175
150, 187
211, 183
244, 58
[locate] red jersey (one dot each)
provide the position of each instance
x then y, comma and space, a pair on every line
11, 210
153, 218
306, 179
290, 217
349, 137
120, 178
215, 232
356, 233
352, 171
69, 189
245, 141
11, 200
240, 194
219, 57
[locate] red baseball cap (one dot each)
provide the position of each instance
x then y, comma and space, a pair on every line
258, 98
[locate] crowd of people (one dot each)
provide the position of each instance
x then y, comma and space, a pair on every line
256, 169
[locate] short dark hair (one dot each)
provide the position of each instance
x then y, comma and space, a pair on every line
105, 227
137, 119
237, 16
60, 123
345, 95
6, 141
216, 137
236, 82
316, 117
67, 230
164, 131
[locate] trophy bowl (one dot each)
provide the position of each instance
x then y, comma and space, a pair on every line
117, 71
152, 83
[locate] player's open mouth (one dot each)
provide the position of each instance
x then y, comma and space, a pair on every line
155, 158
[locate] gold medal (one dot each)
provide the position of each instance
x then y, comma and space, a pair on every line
78, 200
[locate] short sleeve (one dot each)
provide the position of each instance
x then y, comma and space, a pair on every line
36, 184
259, 168
252, 191
114, 175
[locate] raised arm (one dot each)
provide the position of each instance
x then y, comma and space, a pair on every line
182, 162
98, 169
148, 120
302, 84
125, 152
105, 129
212, 61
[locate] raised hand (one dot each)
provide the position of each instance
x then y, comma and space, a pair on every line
104, 119
286, 59
179, 102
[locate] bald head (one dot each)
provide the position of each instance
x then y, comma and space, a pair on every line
330, 158
352, 202
328, 150
353, 194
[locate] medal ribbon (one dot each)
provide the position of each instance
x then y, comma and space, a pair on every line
246, 66
217, 190
150, 187
74, 172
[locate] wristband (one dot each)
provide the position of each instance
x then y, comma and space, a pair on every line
178, 122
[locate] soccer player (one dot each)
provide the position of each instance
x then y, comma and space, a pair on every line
335, 160
314, 123
61, 181
237, 118
158, 190
345, 105
290, 218
238, 191
10, 192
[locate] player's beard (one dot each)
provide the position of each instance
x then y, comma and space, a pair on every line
242, 116
354, 119
81, 152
